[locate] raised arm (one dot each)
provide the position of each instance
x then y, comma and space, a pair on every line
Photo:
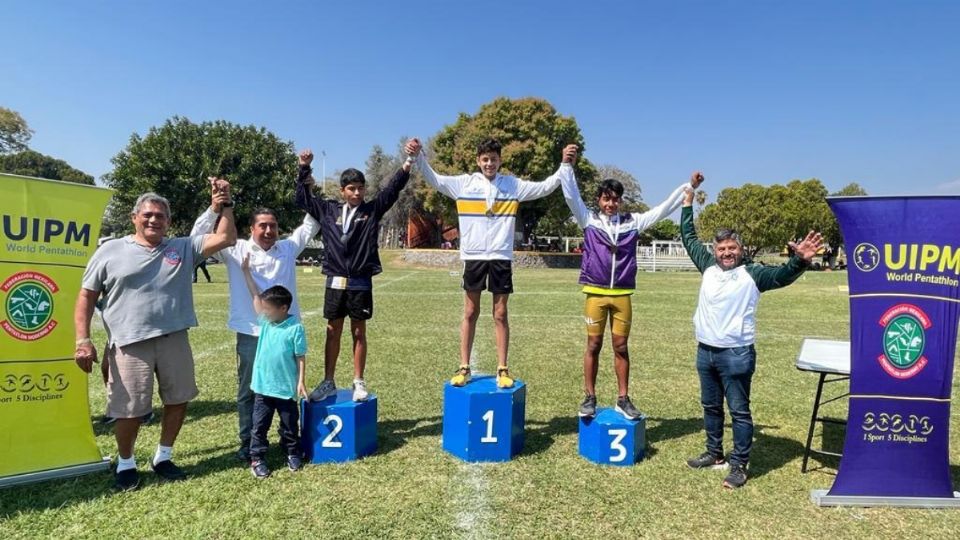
571, 193
699, 254
669, 205
206, 224
775, 277
302, 234
528, 191
226, 234
388, 196
303, 194
448, 185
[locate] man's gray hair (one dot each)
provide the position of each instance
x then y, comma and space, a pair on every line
727, 234
151, 197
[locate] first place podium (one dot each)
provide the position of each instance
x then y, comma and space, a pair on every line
338, 429
482, 422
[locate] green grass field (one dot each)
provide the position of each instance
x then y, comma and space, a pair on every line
411, 489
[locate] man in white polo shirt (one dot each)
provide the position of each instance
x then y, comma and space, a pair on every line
272, 262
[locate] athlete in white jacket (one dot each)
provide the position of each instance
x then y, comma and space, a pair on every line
487, 204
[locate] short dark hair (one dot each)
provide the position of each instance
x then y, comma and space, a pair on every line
262, 211
489, 145
277, 296
351, 176
727, 234
610, 186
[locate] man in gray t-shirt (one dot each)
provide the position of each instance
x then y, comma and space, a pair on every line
146, 280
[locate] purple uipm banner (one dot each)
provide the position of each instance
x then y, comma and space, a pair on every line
903, 260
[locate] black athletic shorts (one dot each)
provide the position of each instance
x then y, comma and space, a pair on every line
494, 276
340, 303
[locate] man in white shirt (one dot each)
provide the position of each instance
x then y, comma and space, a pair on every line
272, 262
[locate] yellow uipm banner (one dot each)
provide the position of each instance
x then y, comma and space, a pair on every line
48, 231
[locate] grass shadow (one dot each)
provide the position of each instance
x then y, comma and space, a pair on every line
393, 434
831, 440
771, 452
541, 435
196, 410
667, 429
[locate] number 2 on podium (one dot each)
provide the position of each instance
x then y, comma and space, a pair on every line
488, 418
328, 441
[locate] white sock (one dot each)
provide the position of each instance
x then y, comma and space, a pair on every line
163, 453
126, 463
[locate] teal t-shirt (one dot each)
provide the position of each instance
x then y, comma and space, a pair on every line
275, 365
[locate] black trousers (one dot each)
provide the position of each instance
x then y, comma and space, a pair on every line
263, 409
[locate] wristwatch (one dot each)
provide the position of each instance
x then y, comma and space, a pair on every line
228, 204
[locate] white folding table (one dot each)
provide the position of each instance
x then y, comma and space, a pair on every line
831, 360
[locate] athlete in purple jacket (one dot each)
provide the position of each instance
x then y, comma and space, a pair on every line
608, 273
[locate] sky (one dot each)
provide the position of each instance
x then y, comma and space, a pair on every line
746, 91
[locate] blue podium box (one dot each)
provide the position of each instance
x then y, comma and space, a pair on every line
611, 439
482, 422
338, 429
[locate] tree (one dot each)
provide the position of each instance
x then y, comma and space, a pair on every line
852, 189
665, 229
767, 217
14, 131
175, 159
30, 163
380, 167
533, 135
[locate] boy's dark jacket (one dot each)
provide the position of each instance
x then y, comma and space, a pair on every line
355, 254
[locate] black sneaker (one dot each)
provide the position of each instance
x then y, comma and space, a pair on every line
128, 480
167, 471
107, 420
243, 454
294, 462
626, 408
707, 460
588, 408
737, 476
259, 469
147, 418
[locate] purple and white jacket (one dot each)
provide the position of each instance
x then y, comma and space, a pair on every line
610, 242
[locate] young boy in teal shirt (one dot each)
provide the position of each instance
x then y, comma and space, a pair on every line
278, 374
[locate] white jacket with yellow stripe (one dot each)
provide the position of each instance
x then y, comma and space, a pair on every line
488, 208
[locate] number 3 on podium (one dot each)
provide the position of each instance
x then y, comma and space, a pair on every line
617, 446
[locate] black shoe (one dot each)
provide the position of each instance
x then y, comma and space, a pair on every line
147, 418
588, 408
737, 476
243, 454
259, 469
107, 420
294, 462
168, 471
626, 408
707, 460
128, 480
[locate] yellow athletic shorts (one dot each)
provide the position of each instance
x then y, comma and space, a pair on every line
597, 307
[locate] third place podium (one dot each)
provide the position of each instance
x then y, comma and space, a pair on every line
611, 439
482, 422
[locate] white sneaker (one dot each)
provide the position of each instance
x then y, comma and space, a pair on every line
324, 390
360, 390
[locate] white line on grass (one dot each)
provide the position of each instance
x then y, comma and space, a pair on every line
473, 506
